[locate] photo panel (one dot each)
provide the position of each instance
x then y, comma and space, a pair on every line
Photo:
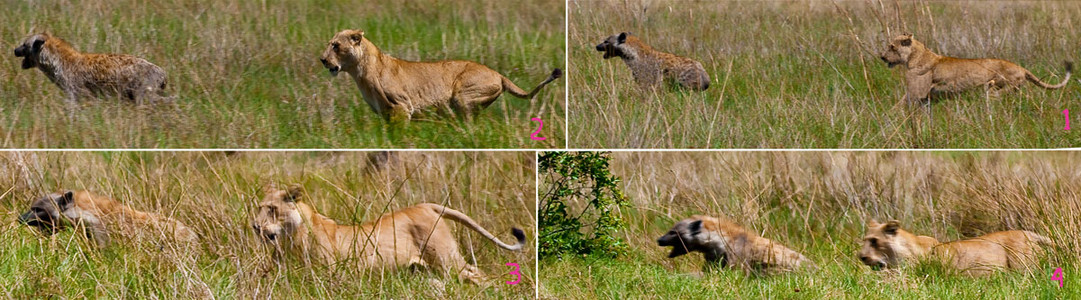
284, 75
823, 74
809, 225
200, 225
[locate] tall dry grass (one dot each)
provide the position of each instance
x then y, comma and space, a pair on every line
215, 194
806, 74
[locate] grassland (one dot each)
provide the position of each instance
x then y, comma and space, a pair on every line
806, 74
247, 74
215, 194
817, 203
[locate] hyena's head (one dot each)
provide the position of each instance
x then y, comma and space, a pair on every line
47, 212
882, 243
900, 49
344, 52
616, 46
30, 50
278, 216
683, 237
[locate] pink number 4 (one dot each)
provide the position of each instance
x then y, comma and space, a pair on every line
515, 272
1057, 276
1067, 113
537, 138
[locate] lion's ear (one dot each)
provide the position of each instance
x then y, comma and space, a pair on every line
872, 223
892, 227
294, 193
622, 38
356, 36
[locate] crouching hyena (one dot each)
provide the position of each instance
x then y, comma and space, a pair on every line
91, 74
650, 66
723, 242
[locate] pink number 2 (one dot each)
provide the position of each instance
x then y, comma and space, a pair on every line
515, 272
538, 120
1067, 113
1057, 276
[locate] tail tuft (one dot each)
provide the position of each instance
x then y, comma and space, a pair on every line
518, 233
557, 73
1069, 67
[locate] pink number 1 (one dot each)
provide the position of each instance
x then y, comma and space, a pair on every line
1067, 113
515, 272
538, 120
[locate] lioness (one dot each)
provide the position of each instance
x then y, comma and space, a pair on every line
413, 236
887, 246
396, 89
102, 218
723, 242
928, 72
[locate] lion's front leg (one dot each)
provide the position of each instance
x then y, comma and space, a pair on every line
919, 89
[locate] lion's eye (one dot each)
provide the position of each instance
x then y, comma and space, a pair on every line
336, 46
874, 242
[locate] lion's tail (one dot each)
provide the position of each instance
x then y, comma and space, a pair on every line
513, 89
467, 221
1037, 81
1039, 239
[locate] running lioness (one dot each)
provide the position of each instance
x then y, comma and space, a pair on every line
888, 246
414, 236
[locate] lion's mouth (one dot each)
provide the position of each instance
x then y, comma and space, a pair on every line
334, 70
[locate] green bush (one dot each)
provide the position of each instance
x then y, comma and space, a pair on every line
566, 228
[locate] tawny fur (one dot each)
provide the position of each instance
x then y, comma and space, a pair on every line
104, 219
651, 67
889, 246
82, 75
726, 243
416, 236
397, 89
929, 73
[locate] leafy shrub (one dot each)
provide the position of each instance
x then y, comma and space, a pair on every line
566, 225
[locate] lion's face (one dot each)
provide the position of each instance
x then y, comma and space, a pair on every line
278, 216
611, 45
30, 50
898, 50
878, 250
344, 51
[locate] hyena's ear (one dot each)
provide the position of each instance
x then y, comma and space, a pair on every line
294, 193
695, 227
891, 227
622, 37
67, 199
356, 36
36, 47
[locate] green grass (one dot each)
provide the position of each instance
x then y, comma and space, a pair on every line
247, 74
806, 74
215, 194
817, 203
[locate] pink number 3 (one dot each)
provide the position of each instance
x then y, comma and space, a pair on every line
534, 135
515, 272
1057, 276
